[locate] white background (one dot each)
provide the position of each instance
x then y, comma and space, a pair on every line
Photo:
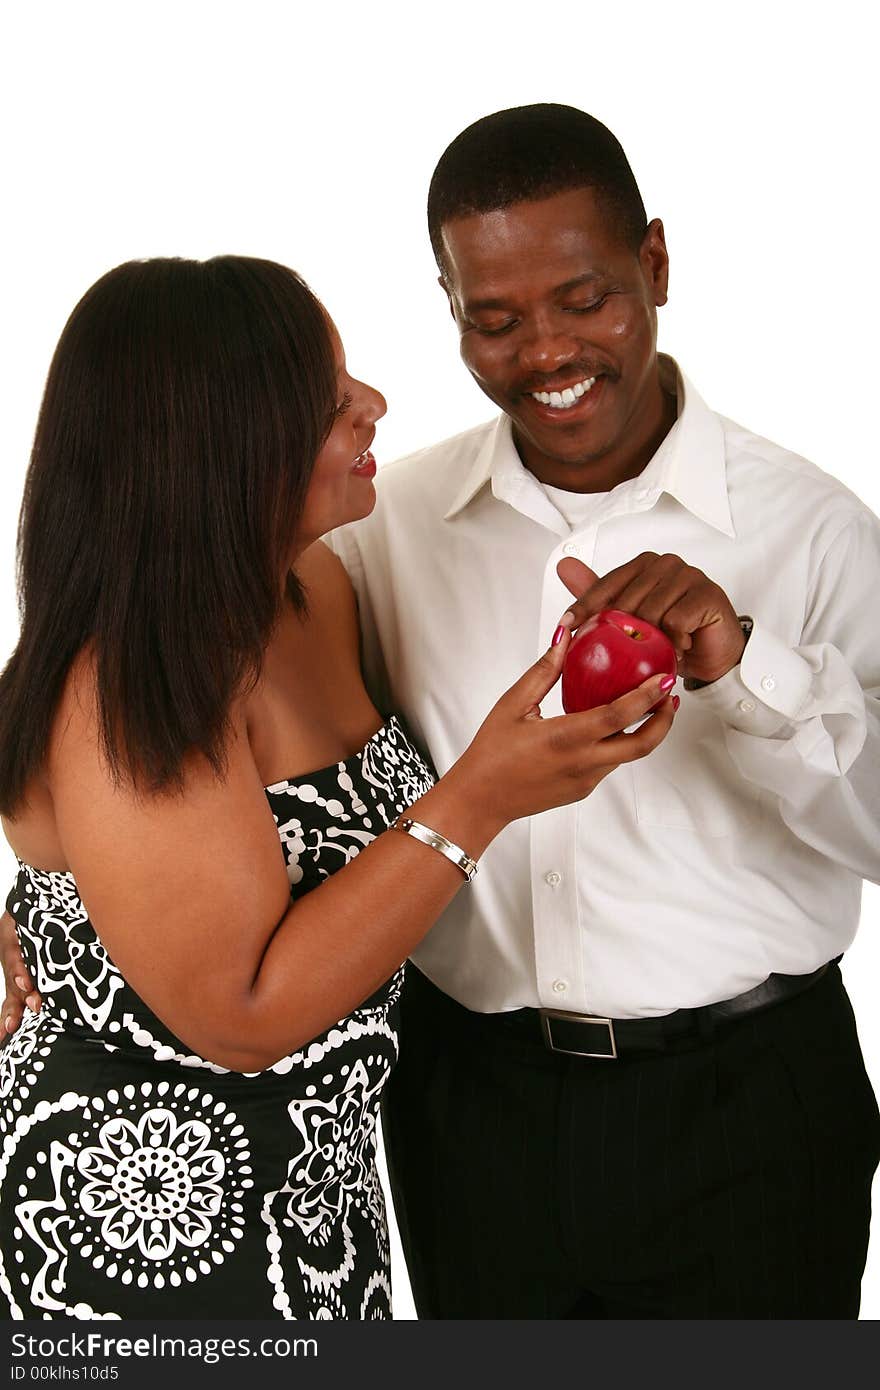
308, 134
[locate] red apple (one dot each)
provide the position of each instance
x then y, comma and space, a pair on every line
611, 654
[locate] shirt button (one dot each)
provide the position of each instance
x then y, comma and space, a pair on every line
553, 878
571, 548
560, 986
768, 683
747, 706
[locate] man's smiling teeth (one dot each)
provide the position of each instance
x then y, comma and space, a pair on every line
564, 400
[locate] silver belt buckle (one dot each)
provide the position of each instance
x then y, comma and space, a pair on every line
547, 1015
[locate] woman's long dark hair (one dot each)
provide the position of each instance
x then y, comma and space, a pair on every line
183, 412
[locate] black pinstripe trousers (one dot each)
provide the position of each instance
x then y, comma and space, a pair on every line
727, 1180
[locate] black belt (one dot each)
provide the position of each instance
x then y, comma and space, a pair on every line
582, 1035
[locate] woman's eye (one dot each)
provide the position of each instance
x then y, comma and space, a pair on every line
344, 404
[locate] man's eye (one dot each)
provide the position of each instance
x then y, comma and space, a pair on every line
588, 308
493, 330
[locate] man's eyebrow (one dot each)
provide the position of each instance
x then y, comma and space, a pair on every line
585, 279
472, 306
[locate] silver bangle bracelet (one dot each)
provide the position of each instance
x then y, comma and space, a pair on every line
434, 840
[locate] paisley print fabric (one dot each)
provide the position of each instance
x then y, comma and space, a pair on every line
140, 1180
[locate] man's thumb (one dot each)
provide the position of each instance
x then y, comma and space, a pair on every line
575, 575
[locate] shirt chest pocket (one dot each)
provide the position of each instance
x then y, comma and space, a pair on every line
690, 783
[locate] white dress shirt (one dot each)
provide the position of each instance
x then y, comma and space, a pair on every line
738, 846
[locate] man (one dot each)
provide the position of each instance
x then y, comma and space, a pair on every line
630, 1084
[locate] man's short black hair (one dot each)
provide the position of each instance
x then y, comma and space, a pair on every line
530, 152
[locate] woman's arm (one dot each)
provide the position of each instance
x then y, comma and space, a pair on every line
189, 894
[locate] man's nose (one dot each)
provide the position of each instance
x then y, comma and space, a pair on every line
547, 348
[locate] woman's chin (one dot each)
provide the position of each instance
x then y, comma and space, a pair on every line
357, 508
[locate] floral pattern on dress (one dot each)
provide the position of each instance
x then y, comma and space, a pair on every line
156, 1182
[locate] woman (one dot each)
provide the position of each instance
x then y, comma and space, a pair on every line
187, 750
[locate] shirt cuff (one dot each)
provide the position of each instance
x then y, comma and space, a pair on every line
766, 691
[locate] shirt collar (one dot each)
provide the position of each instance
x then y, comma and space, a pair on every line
497, 442
689, 465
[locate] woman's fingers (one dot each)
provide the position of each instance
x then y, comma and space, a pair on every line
607, 720
525, 696
12, 1012
630, 708
626, 748
20, 990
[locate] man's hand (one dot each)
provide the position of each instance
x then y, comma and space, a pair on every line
696, 615
19, 985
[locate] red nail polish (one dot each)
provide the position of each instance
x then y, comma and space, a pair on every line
667, 683
675, 702
558, 635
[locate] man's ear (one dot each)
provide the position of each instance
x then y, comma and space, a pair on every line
445, 288
654, 259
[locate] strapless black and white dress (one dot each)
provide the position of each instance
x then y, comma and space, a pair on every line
139, 1180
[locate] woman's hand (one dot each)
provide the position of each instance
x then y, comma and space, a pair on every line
521, 764
20, 990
